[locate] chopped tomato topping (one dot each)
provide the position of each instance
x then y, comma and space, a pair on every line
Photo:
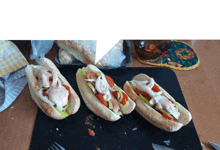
168, 117
115, 94
68, 89
110, 81
155, 88
171, 101
44, 94
124, 99
91, 75
100, 97
174, 120
93, 83
123, 102
142, 93
51, 79
49, 71
91, 132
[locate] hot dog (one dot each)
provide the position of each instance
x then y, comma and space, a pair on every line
101, 95
51, 91
155, 104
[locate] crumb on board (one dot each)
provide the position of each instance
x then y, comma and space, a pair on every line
159, 147
134, 129
12, 107
97, 148
125, 133
91, 132
167, 142
12, 118
57, 129
59, 134
88, 119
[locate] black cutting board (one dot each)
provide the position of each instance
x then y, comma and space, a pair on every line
131, 132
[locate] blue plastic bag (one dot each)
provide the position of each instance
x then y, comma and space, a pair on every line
40, 48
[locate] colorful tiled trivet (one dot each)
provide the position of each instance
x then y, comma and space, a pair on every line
180, 56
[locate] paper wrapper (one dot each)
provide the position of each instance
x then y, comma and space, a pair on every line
11, 59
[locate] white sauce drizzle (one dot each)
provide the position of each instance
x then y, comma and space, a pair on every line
57, 94
157, 99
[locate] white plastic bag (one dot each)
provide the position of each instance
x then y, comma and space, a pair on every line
85, 50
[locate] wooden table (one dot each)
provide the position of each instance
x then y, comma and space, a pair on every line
200, 88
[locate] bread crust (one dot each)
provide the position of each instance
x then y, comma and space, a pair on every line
94, 104
49, 110
151, 115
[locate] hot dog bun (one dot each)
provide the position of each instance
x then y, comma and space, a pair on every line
153, 116
94, 104
49, 110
